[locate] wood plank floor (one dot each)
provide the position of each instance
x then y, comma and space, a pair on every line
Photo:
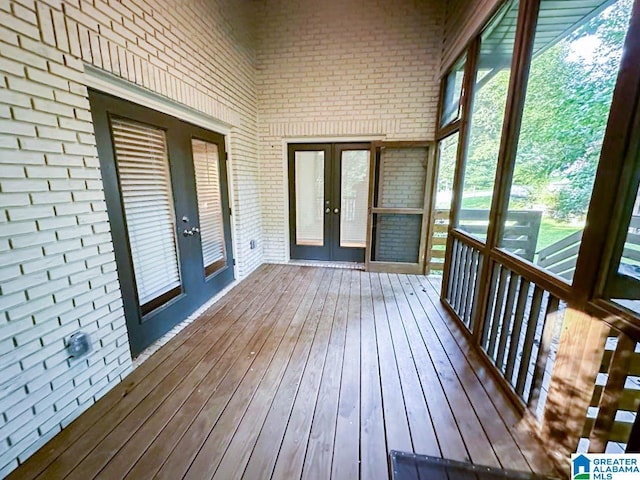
299, 372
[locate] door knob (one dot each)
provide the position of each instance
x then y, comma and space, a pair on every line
336, 210
328, 210
191, 232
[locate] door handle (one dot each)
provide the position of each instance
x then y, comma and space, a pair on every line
327, 210
191, 232
336, 210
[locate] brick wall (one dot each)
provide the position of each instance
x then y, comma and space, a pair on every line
56, 257
341, 69
403, 175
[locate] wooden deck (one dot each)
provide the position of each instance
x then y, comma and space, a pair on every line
298, 372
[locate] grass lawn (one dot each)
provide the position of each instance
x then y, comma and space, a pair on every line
552, 231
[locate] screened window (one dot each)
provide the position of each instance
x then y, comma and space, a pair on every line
573, 73
623, 285
451, 107
487, 115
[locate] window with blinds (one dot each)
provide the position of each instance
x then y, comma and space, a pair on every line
205, 162
145, 185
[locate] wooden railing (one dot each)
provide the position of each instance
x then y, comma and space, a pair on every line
462, 290
520, 234
576, 377
617, 398
561, 257
521, 325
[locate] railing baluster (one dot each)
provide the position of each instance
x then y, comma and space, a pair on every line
497, 314
518, 317
476, 289
493, 280
532, 324
453, 276
462, 272
465, 284
506, 320
610, 399
551, 319
473, 265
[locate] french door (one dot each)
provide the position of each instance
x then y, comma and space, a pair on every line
328, 199
167, 200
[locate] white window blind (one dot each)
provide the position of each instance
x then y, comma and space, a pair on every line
145, 184
309, 185
205, 162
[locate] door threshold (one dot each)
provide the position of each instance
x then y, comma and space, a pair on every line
163, 340
326, 264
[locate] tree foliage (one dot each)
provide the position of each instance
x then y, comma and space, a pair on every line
568, 98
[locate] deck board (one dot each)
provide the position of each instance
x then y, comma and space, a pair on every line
299, 372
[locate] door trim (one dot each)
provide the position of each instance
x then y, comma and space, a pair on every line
426, 211
108, 83
285, 141
332, 188
200, 290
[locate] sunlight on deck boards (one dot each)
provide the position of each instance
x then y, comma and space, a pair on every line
299, 372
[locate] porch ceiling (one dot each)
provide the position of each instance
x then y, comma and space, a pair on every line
556, 20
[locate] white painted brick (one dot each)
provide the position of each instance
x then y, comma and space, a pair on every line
75, 232
38, 238
23, 185
56, 222
70, 292
13, 171
8, 142
80, 149
54, 108
47, 172
45, 78
53, 55
30, 308
31, 212
12, 67
64, 160
29, 87
13, 200
22, 157
18, 25
50, 197
37, 263
56, 134
68, 98
40, 145
66, 270
22, 283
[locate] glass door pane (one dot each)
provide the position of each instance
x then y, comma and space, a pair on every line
205, 162
145, 184
354, 190
309, 191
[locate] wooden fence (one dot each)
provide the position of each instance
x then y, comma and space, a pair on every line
560, 257
520, 234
